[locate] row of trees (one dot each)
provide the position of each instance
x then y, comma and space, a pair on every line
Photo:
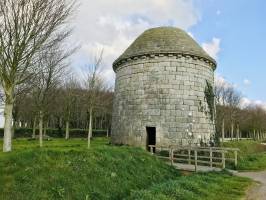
36, 83
68, 104
233, 120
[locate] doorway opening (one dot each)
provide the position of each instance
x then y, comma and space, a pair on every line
151, 137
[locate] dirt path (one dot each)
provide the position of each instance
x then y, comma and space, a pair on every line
258, 192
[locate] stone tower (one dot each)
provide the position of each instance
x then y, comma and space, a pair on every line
163, 91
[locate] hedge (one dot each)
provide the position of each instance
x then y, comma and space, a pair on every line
56, 133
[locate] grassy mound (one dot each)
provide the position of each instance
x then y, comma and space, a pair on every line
68, 170
99, 173
205, 186
252, 154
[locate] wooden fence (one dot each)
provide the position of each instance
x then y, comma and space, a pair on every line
205, 156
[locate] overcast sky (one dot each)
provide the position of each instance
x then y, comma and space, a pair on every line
233, 32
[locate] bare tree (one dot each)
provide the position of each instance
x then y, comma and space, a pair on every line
107, 108
220, 95
25, 27
228, 102
69, 96
94, 86
53, 65
233, 101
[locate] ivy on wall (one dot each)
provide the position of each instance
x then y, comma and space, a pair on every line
209, 95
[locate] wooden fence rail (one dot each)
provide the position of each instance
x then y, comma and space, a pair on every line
207, 156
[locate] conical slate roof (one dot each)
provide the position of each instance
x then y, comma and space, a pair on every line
164, 40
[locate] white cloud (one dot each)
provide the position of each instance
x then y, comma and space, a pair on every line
222, 81
114, 24
246, 82
212, 48
246, 102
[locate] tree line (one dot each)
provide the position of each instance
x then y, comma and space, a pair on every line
235, 120
63, 107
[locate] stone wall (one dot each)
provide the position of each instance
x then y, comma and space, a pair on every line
166, 92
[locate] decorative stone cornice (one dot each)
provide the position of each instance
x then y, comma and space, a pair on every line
138, 57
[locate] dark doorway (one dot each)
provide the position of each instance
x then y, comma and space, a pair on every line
151, 137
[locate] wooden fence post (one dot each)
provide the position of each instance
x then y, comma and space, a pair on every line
171, 156
211, 157
189, 156
196, 160
235, 152
223, 131
223, 160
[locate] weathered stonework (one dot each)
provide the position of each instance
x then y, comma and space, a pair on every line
166, 91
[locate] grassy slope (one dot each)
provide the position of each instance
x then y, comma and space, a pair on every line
67, 170
205, 186
103, 172
252, 154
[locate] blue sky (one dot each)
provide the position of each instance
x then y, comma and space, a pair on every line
233, 31
241, 27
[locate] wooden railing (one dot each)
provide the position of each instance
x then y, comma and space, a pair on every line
205, 156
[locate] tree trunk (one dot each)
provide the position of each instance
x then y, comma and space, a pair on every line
232, 130
45, 129
223, 130
60, 124
67, 130
237, 132
13, 128
95, 123
101, 123
90, 129
7, 145
34, 128
41, 129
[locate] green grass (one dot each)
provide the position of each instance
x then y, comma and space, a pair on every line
19, 145
252, 155
205, 186
68, 170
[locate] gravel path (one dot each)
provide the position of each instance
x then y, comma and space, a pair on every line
258, 192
